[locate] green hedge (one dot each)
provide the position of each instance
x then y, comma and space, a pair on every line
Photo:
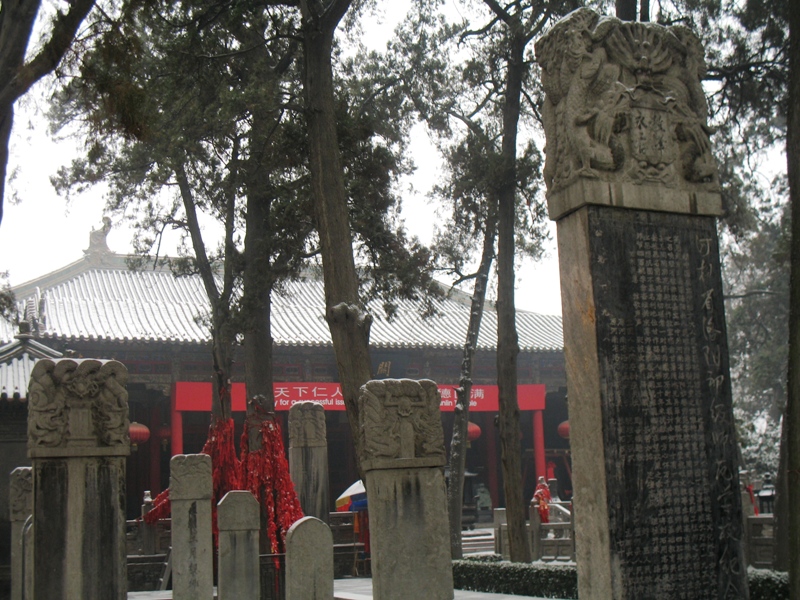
489, 573
766, 584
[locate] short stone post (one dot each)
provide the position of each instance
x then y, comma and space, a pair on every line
308, 458
309, 560
633, 186
149, 531
239, 573
77, 442
536, 531
20, 503
402, 455
190, 493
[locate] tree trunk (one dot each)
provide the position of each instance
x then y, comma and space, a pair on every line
222, 346
791, 423
507, 342
780, 512
348, 321
644, 11
458, 445
258, 310
626, 10
222, 335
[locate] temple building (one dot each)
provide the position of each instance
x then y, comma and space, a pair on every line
151, 321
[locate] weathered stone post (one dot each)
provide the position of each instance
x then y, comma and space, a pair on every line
634, 189
402, 447
308, 458
190, 493
20, 503
239, 520
309, 560
149, 530
27, 558
77, 442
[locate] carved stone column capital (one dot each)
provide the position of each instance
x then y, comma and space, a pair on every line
625, 114
400, 424
78, 408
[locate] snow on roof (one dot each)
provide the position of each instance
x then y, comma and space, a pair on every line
93, 300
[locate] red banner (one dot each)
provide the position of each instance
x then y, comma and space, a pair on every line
196, 396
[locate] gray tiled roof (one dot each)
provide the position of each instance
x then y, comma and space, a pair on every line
16, 363
14, 376
113, 303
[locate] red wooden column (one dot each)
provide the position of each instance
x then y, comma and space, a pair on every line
176, 424
538, 445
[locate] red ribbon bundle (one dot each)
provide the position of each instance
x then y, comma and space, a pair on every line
264, 473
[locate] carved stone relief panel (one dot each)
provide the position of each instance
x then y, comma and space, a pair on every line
307, 425
78, 403
190, 477
624, 103
400, 423
20, 494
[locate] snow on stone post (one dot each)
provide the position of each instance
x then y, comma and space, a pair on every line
78, 442
309, 560
20, 504
190, 494
402, 455
308, 458
634, 189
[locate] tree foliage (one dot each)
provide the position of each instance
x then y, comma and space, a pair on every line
756, 272
197, 108
19, 71
474, 86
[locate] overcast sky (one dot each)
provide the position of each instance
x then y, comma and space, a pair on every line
40, 232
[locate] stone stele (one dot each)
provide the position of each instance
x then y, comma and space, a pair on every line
308, 458
77, 442
402, 447
309, 560
239, 519
634, 188
20, 503
190, 494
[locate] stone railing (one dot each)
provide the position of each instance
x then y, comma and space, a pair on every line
550, 542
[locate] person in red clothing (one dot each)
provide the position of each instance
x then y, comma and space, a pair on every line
542, 499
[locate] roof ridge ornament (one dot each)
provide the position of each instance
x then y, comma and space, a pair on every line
98, 245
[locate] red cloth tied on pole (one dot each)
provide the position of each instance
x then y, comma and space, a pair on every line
265, 474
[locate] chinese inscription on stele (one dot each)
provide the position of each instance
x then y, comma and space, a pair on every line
624, 103
675, 520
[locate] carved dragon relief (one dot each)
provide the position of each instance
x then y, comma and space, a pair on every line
47, 410
110, 405
624, 102
77, 402
400, 420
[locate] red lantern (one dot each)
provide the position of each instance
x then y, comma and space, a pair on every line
563, 430
139, 433
473, 431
